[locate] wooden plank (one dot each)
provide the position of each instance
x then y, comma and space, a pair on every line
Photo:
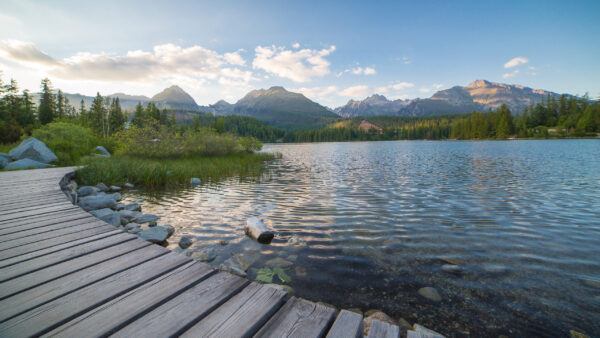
108, 318
59, 311
45, 229
380, 329
33, 279
43, 223
52, 234
17, 270
242, 315
30, 207
183, 311
59, 196
347, 324
39, 211
54, 242
46, 251
33, 298
299, 318
37, 218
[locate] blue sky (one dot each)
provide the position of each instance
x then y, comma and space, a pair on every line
330, 51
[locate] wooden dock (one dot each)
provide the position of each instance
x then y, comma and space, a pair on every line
65, 273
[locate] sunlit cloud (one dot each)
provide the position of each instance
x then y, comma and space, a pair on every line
317, 92
356, 91
511, 74
299, 66
514, 62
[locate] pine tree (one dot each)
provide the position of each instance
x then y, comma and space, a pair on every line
47, 105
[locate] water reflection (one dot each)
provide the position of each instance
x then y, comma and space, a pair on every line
507, 232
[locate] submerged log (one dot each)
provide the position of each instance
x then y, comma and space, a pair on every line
257, 229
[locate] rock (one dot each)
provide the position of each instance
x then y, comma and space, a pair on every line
155, 235
128, 186
135, 230
256, 228
295, 241
26, 164
119, 207
114, 188
285, 288
430, 293
450, 268
292, 258
377, 315
204, 255
592, 283
425, 332
116, 196
300, 271
96, 202
186, 252
102, 187
87, 191
107, 215
170, 229
223, 242
145, 218
129, 216
130, 226
279, 262
33, 149
195, 181
100, 150
404, 323
185, 242
576, 334
133, 207
236, 264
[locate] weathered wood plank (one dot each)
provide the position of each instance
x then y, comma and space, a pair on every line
46, 229
56, 197
380, 329
59, 311
183, 311
39, 211
298, 318
33, 298
123, 310
35, 207
52, 234
347, 324
242, 315
17, 270
46, 251
38, 218
43, 223
56, 241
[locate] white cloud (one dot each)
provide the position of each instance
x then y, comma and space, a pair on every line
164, 61
437, 85
362, 71
317, 92
402, 85
514, 62
356, 91
296, 45
298, 66
424, 90
511, 74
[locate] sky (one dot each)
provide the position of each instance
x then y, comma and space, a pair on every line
331, 51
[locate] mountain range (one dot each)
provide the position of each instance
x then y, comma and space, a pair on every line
281, 108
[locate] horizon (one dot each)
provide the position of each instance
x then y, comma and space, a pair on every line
227, 52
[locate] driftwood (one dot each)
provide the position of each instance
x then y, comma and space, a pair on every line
257, 229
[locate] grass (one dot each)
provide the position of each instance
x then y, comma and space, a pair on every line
154, 173
6, 147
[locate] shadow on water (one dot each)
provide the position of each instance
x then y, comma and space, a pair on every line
506, 232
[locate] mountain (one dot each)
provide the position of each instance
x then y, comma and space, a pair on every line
174, 98
480, 95
281, 108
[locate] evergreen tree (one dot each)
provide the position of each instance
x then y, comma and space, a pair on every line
47, 105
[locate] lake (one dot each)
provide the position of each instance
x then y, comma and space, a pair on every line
507, 232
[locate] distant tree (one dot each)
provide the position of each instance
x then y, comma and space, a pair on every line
47, 105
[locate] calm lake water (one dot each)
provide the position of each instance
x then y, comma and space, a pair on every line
519, 220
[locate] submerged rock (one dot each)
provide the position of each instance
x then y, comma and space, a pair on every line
26, 163
279, 262
33, 149
204, 255
155, 235
237, 264
109, 216
185, 242
450, 268
430, 293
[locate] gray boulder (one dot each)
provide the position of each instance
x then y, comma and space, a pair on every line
119, 207
185, 242
34, 149
87, 191
145, 218
155, 235
100, 150
116, 196
133, 207
96, 202
102, 187
26, 163
128, 186
128, 215
109, 216
115, 188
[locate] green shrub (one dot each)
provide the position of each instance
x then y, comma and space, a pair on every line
70, 142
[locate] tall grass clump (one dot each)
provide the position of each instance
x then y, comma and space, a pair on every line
69, 141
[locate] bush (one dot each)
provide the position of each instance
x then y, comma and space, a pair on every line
70, 142
10, 131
